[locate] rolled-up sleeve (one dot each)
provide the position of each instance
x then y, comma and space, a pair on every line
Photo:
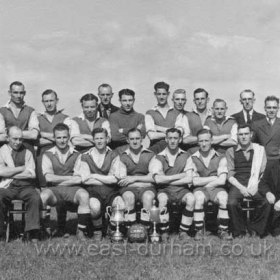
118, 168
106, 125
150, 123
83, 170
2, 124
233, 132
33, 122
156, 167
30, 163
47, 166
222, 168
182, 123
230, 162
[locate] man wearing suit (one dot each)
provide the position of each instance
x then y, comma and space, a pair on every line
106, 108
248, 114
267, 130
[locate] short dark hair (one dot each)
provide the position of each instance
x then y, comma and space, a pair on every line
134, 129
16, 83
271, 98
49, 91
244, 125
199, 90
88, 97
204, 131
247, 91
161, 85
126, 91
104, 85
61, 127
218, 100
172, 130
99, 130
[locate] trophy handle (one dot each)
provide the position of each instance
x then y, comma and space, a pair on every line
164, 209
146, 210
107, 211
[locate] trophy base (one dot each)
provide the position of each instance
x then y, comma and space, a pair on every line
154, 238
117, 238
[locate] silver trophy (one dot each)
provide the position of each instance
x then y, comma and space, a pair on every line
154, 214
116, 219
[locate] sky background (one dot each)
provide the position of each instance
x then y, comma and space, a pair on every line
72, 46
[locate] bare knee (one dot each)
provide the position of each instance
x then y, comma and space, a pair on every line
199, 199
129, 199
222, 198
81, 197
189, 200
95, 206
162, 200
147, 199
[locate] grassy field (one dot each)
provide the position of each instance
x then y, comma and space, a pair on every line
248, 258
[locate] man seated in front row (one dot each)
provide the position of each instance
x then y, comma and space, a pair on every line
17, 170
209, 173
99, 170
246, 163
59, 165
137, 181
172, 179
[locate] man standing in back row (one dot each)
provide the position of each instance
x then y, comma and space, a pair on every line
248, 114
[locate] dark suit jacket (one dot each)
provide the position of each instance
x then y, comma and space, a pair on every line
113, 109
268, 136
239, 117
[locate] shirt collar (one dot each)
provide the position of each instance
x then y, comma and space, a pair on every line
157, 108
226, 119
54, 150
208, 111
165, 152
57, 112
238, 148
212, 153
82, 116
250, 112
8, 104
128, 151
93, 149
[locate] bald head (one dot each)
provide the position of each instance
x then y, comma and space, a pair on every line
15, 137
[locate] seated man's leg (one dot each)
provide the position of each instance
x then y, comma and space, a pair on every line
48, 199
164, 215
223, 218
187, 215
82, 199
260, 218
33, 202
238, 224
6, 195
129, 200
95, 206
274, 226
147, 200
199, 214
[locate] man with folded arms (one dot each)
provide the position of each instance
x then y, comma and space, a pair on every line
137, 182
209, 173
17, 170
172, 180
59, 165
100, 171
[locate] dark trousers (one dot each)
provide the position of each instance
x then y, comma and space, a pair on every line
274, 224
31, 199
260, 217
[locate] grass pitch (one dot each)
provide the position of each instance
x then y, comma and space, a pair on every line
248, 258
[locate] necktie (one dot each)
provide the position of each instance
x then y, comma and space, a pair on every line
248, 118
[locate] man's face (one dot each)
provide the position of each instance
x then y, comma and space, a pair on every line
100, 140
50, 102
61, 139
200, 101
271, 108
134, 140
127, 102
15, 139
244, 136
161, 96
204, 142
219, 110
247, 100
89, 108
173, 140
179, 100
17, 94
105, 94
